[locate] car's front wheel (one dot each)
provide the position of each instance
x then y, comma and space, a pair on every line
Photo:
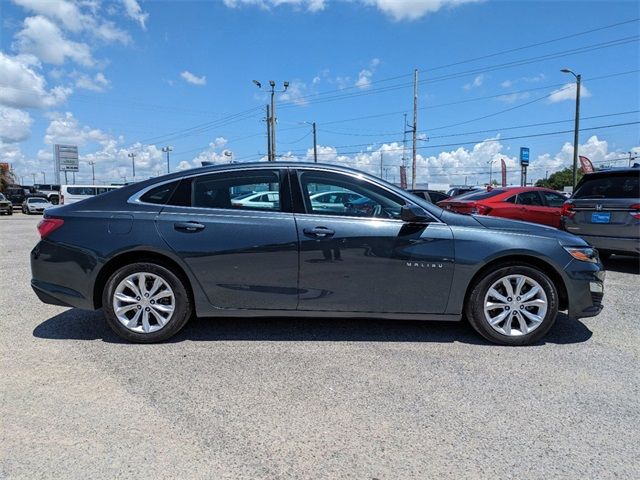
146, 302
513, 305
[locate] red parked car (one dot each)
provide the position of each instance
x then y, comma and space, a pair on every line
530, 204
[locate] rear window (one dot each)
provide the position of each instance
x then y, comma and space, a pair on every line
160, 194
482, 194
625, 185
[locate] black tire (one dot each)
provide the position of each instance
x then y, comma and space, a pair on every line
474, 307
183, 304
10, 212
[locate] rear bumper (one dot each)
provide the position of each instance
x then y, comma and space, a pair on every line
585, 288
614, 244
63, 275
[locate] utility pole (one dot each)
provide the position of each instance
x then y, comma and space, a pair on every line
381, 163
93, 171
415, 127
272, 118
44, 177
577, 126
34, 178
269, 152
404, 140
132, 156
490, 162
166, 150
315, 144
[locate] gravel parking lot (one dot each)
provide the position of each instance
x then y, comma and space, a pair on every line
313, 398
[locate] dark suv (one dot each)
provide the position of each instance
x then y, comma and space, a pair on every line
605, 211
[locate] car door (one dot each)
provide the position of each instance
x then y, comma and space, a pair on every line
367, 259
244, 255
552, 207
531, 207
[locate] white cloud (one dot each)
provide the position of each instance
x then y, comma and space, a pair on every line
477, 82
412, 9
513, 97
15, 125
97, 83
42, 38
295, 93
568, 92
193, 79
308, 5
24, 87
396, 9
135, 12
365, 75
71, 17
65, 128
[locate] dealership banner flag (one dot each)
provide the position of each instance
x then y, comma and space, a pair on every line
585, 165
504, 172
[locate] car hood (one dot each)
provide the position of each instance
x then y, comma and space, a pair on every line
516, 226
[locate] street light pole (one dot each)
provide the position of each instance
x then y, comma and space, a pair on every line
577, 125
166, 150
132, 156
93, 171
34, 178
272, 118
44, 177
490, 162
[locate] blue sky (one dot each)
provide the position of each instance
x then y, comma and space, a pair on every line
134, 76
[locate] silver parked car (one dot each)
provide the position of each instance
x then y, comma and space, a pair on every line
605, 211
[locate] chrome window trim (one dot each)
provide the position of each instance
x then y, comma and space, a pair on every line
135, 198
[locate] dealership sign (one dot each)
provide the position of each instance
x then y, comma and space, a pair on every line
524, 156
66, 157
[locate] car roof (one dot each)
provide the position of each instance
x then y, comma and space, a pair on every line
613, 171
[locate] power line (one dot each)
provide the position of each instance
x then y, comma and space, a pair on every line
492, 139
549, 56
483, 57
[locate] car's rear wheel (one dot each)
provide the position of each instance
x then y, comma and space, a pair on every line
146, 303
513, 305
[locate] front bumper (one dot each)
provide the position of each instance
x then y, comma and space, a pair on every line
5, 208
585, 288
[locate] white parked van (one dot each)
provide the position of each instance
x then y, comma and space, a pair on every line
74, 193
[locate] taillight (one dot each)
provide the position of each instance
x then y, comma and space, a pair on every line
48, 225
567, 210
479, 209
635, 211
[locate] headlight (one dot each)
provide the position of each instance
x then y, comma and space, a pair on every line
584, 254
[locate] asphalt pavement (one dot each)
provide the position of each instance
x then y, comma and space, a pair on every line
312, 398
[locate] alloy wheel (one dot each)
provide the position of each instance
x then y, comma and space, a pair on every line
143, 302
515, 305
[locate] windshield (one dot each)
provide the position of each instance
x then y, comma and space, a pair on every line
481, 195
37, 200
2, 197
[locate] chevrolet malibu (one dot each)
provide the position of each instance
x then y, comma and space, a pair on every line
155, 253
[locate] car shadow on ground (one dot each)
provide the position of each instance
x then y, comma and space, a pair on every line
622, 264
76, 324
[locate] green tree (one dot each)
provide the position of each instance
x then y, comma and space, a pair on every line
6, 176
559, 180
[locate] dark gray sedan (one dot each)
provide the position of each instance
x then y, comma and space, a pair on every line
154, 253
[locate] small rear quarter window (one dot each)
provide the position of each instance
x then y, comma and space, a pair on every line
160, 194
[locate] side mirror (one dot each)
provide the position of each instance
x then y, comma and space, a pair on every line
414, 214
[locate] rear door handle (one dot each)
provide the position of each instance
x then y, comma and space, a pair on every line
188, 226
319, 232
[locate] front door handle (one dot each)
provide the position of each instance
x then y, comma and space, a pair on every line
319, 232
188, 226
